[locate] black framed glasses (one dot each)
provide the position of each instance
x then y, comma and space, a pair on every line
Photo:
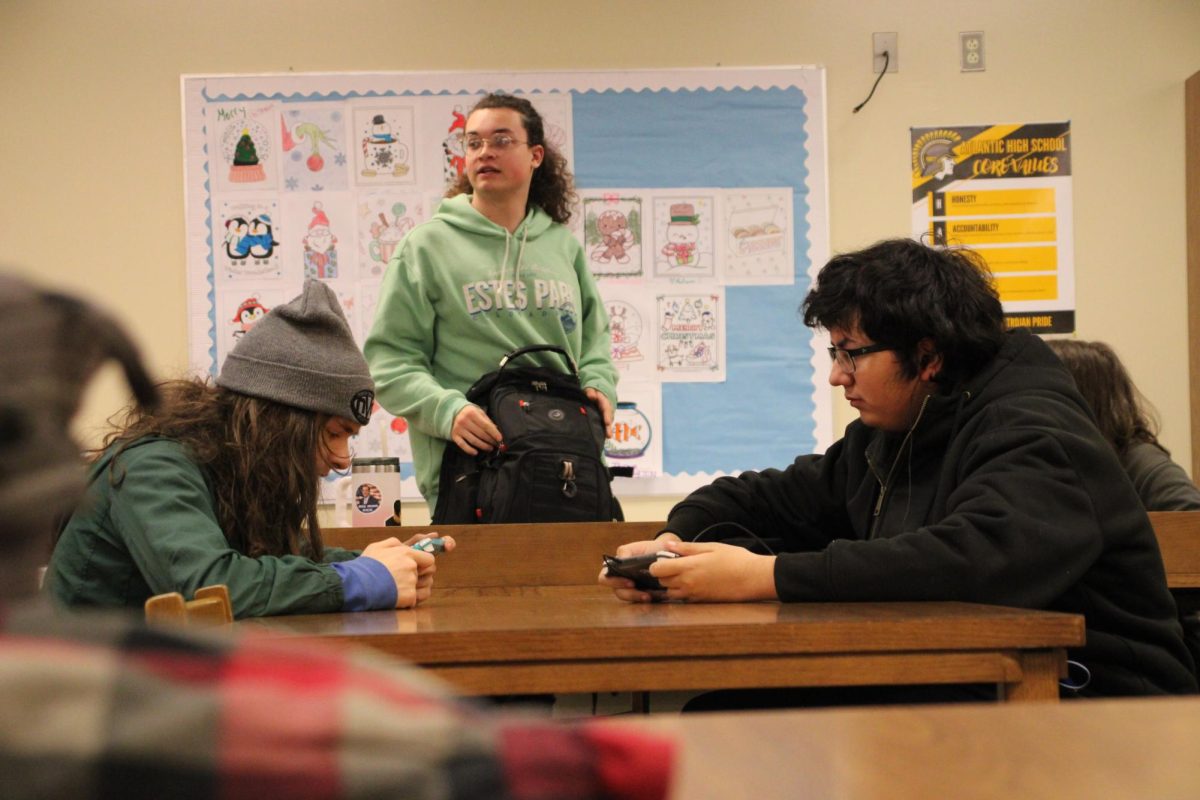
845, 358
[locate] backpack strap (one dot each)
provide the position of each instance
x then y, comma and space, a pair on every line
538, 348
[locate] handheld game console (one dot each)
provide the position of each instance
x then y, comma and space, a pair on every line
637, 569
431, 544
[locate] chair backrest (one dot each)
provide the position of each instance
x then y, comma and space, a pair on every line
1178, 534
210, 608
568, 554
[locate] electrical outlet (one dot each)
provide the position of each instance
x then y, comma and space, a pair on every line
889, 42
970, 51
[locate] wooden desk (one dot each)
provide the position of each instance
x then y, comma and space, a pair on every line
1079, 750
571, 639
516, 609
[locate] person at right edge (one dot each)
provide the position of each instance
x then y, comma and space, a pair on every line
974, 473
1128, 423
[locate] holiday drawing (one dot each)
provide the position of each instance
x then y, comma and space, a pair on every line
243, 146
383, 221
245, 238
626, 326
246, 166
453, 147
249, 312
612, 235
320, 246
637, 420
758, 237
237, 311
247, 243
314, 156
683, 232
683, 237
615, 238
691, 336
631, 433
631, 308
385, 138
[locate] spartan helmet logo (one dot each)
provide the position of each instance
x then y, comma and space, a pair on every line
361, 406
933, 154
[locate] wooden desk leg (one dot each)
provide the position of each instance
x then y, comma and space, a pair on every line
1039, 677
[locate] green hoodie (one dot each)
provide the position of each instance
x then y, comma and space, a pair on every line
459, 293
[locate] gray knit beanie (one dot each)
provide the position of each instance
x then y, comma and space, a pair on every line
302, 354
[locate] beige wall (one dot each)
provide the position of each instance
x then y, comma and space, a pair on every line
91, 195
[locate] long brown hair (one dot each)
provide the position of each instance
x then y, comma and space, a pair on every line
260, 458
1122, 413
552, 188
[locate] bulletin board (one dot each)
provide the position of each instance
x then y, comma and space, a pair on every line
702, 209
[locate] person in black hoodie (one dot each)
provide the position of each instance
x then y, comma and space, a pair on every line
974, 473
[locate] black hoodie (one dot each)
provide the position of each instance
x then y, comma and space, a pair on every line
1005, 493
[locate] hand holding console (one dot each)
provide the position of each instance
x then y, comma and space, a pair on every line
637, 569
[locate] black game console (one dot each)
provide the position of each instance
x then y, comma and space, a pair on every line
637, 569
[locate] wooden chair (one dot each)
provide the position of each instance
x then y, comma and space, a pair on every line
1178, 534
208, 609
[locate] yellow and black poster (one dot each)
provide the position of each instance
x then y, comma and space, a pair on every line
1005, 192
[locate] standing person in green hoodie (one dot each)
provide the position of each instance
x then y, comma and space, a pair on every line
495, 270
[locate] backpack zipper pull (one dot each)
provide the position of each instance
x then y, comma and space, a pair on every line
569, 489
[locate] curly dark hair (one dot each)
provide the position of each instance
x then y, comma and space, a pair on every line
900, 292
260, 458
1123, 414
552, 188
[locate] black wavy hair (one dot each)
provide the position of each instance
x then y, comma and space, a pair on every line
899, 292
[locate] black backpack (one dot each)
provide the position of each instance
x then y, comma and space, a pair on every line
550, 466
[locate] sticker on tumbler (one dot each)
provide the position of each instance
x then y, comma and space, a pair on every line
367, 498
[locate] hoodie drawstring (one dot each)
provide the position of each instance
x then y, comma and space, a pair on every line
504, 261
521, 254
520, 257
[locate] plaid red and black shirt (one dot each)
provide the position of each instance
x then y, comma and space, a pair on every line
102, 706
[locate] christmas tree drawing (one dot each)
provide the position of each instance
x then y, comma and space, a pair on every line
246, 167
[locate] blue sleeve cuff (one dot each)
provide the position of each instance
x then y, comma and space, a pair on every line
366, 584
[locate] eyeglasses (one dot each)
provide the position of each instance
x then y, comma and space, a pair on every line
845, 358
499, 142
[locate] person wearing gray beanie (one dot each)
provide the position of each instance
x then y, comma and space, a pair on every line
220, 483
302, 354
